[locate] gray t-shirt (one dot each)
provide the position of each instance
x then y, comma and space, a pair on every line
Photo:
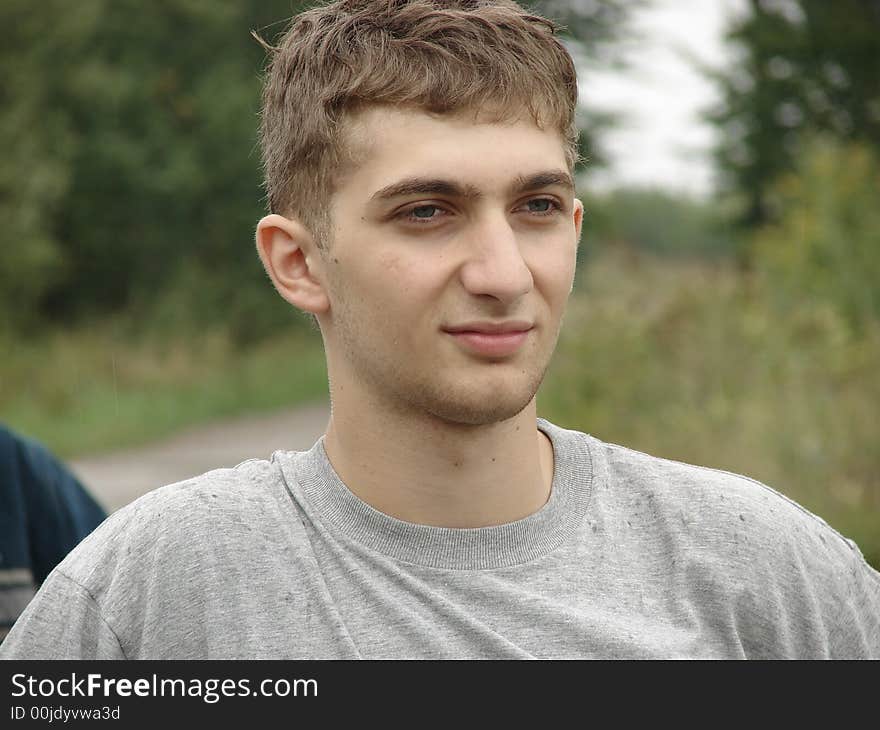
631, 557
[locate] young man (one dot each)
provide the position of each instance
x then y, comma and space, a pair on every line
419, 158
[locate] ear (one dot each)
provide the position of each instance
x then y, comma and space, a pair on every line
578, 228
578, 218
293, 262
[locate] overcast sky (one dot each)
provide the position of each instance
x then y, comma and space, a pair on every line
660, 139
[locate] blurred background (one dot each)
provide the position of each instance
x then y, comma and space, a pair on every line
727, 307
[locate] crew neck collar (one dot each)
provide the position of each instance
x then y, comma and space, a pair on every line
315, 485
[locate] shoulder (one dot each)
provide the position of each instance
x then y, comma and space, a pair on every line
695, 498
791, 584
715, 501
168, 569
173, 527
737, 524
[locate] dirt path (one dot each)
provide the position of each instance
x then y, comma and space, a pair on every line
118, 478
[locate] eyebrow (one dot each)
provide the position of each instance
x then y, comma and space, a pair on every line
548, 179
440, 186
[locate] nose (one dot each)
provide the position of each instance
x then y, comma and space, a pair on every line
495, 265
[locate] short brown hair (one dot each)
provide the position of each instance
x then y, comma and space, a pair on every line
440, 56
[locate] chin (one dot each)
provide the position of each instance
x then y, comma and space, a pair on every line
475, 408
478, 415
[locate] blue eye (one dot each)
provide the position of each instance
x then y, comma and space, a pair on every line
424, 212
541, 205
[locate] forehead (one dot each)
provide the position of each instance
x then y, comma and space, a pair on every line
384, 144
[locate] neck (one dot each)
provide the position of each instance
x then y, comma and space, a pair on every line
427, 471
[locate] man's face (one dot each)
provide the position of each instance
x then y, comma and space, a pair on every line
451, 258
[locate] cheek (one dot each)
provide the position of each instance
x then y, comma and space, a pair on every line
389, 267
390, 288
553, 275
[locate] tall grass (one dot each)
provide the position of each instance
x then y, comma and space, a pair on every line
691, 361
101, 388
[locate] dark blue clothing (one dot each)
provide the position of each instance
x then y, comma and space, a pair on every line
44, 513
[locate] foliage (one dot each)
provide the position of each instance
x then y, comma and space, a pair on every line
99, 388
806, 66
657, 221
132, 131
824, 251
593, 25
593, 30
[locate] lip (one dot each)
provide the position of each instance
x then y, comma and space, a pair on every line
491, 339
491, 328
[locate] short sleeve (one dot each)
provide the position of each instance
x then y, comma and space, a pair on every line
61, 622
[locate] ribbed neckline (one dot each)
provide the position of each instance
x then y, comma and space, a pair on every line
315, 485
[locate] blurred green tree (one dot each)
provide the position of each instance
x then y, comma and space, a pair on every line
594, 30
823, 252
659, 222
806, 66
132, 131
